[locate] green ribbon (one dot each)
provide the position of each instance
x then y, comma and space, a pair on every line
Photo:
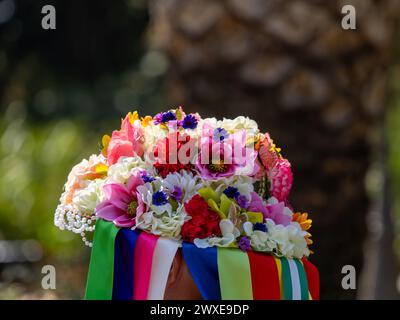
303, 280
287, 280
101, 268
234, 274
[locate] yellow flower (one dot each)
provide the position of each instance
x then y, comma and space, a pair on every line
308, 240
302, 219
146, 121
105, 141
275, 149
133, 116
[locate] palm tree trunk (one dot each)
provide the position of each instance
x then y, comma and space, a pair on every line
318, 89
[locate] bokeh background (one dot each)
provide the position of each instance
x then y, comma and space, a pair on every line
329, 97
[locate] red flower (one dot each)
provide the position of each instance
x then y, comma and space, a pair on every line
204, 222
168, 155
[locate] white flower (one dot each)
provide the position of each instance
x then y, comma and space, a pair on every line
160, 219
87, 199
186, 181
152, 134
289, 240
229, 234
259, 240
244, 185
240, 123
164, 225
121, 171
146, 191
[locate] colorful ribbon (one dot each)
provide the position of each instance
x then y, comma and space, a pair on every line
264, 276
101, 267
312, 278
203, 267
125, 245
163, 257
234, 274
143, 262
128, 264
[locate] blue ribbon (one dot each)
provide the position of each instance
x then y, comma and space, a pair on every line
125, 244
202, 264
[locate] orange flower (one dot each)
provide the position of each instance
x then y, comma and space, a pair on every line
302, 219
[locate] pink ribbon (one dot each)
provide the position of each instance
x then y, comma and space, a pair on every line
143, 264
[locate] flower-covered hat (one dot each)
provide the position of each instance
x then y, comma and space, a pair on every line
216, 189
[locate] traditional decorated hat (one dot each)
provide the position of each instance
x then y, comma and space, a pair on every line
214, 190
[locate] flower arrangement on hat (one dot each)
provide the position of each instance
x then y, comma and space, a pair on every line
206, 181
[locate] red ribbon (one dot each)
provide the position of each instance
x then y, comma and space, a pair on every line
264, 276
312, 278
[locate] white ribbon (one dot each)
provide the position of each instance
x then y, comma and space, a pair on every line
294, 274
163, 256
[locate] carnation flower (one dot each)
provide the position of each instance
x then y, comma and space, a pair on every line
281, 179
203, 223
168, 155
267, 152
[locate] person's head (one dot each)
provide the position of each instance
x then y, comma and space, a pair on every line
180, 284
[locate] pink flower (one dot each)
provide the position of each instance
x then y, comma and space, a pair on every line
126, 142
221, 159
281, 179
268, 156
257, 204
279, 213
123, 203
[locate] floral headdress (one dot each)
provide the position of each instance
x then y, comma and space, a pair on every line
203, 181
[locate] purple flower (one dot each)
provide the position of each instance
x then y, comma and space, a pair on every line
146, 178
159, 198
260, 227
168, 116
242, 201
164, 117
232, 192
177, 193
244, 244
257, 204
220, 134
189, 122
158, 118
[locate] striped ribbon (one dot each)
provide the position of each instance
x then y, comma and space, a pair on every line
128, 264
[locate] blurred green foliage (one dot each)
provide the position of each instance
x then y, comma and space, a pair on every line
60, 91
393, 137
35, 160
